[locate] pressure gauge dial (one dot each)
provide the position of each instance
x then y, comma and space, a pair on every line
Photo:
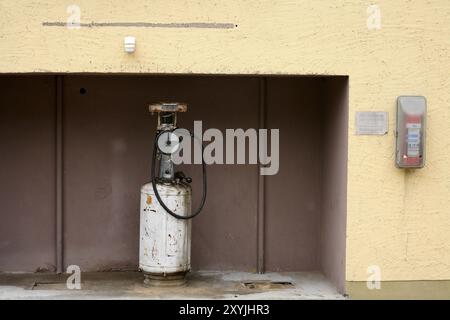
168, 142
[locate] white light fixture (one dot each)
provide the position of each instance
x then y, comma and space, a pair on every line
129, 44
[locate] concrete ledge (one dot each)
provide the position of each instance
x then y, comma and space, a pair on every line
439, 290
199, 285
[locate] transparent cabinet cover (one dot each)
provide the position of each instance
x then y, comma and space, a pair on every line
410, 131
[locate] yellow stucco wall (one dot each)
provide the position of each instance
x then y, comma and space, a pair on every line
397, 219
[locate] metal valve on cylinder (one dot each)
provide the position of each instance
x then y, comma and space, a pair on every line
165, 210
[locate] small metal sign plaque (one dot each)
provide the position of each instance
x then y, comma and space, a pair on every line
371, 123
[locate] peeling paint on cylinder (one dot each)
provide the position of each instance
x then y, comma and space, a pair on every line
165, 242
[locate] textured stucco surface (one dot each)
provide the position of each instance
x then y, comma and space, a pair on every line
397, 219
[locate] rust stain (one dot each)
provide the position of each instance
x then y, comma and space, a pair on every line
149, 199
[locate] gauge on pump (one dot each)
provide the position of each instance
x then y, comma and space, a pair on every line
168, 142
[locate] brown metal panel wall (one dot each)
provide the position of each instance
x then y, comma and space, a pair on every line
224, 234
334, 188
108, 139
27, 173
293, 195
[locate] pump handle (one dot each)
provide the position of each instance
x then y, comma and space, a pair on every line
168, 107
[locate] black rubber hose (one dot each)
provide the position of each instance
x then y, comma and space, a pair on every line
173, 214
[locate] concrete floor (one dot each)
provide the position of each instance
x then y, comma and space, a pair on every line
200, 285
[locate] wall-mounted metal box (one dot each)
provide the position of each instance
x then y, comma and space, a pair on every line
410, 131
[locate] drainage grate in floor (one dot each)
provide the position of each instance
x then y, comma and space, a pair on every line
48, 285
267, 285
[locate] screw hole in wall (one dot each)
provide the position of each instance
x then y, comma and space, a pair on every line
83, 91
